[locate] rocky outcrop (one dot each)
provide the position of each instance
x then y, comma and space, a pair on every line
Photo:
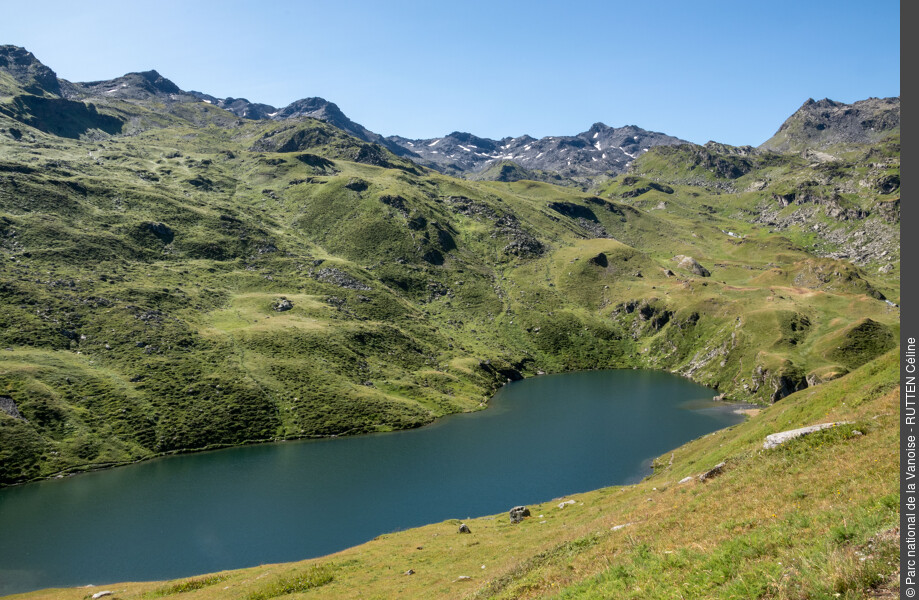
785, 381
339, 278
283, 304
713, 472
8, 406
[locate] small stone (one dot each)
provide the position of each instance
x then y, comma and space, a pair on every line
410, 572
464, 578
101, 594
686, 479
463, 528
565, 503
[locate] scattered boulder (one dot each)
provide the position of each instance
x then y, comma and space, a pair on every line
777, 439
283, 304
713, 472
565, 503
599, 260
691, 264
518, 513
410, 572
102, 594
463, 528
685, 480
618, 527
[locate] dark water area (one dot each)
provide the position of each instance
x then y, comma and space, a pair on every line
540, 439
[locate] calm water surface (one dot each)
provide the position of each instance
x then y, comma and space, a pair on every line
172, 517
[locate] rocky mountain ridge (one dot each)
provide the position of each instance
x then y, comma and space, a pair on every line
599, 150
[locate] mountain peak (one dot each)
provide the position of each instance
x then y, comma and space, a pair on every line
313, 107
139, 85
28, 71
819, 124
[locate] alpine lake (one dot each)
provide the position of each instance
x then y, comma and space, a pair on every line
539, 439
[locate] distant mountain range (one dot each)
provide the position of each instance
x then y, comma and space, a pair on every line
581, 158
599, 150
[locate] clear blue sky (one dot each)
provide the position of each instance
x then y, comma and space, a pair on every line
731, 71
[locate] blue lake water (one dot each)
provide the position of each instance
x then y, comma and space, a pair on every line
540, 439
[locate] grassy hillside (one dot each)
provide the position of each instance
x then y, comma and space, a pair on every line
814, 518
194, 280
175, 278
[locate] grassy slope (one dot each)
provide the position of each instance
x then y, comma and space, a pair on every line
815, 518
140, 272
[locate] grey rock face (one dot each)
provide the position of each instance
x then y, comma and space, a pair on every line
8, 406
28, 71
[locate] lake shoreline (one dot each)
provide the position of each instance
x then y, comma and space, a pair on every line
748, 409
